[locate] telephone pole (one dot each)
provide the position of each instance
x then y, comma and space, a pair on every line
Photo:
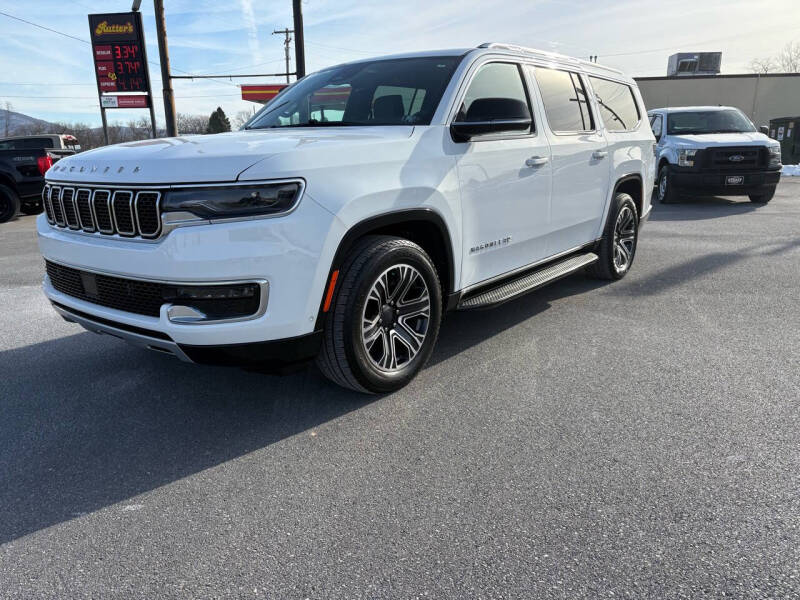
166, 78
299, 42
286, 42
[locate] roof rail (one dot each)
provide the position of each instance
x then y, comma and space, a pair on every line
546, 54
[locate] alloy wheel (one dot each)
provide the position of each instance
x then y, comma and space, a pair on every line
624, 239
396, 317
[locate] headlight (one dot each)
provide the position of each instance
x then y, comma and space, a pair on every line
774, 155
686, 158
225, 202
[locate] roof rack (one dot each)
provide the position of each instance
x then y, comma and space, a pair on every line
545, 54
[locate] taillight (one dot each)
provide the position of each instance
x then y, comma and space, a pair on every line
44, 162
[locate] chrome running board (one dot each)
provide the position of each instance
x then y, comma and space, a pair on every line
528, 282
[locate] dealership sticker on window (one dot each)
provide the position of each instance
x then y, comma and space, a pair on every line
780, 133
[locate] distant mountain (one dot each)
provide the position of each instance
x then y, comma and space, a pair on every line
17, 121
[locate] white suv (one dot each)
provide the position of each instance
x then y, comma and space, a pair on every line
353, 210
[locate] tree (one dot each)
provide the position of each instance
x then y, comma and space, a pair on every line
789, 58
242, 117
762, 66
218, 122
192, 123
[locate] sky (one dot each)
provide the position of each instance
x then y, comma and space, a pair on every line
49, 76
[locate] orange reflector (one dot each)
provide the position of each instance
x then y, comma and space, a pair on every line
329, 295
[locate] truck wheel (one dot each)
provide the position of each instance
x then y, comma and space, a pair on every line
9, 203
33, 208
385, 316
762, 198
666, 193
618, 246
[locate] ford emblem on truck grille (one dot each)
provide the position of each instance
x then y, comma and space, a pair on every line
736, 158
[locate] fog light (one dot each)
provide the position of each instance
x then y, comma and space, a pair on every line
206, 303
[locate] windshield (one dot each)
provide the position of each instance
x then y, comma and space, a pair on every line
710, 121
383, 92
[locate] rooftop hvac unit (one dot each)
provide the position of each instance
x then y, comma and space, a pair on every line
688, 64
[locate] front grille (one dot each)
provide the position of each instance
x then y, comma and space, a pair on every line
146, 297
125, 212
70, 214
737, 159
55, 200
48, 208
83, 201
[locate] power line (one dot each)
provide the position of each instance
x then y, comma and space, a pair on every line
87, 42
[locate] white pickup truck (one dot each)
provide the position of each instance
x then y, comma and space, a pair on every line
713, 150
353, 210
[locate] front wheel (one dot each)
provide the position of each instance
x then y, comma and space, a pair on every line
762, 198
618, 247
665, 190
385, 317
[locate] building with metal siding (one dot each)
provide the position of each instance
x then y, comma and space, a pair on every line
760, 97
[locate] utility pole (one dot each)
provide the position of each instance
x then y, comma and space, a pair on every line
299, 44
166, 78
286, 31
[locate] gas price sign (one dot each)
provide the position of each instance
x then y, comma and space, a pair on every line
120, 60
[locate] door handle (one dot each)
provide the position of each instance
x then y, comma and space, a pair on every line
599, 154
536, 161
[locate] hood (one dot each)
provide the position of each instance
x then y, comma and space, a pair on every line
710, 140
206, 158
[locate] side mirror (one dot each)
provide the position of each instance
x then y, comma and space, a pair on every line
492, 115
764, 129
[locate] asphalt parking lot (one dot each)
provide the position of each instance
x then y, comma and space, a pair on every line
636, 439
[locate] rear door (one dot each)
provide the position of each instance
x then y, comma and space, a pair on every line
504, 179
580, 162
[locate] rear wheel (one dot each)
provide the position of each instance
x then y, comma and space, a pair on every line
762, 198
618, 246
9, 203
385, 316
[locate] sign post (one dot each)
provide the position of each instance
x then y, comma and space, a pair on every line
120, 64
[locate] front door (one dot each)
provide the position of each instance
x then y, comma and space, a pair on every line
505, 183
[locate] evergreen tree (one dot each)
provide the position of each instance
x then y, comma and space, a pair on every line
218, 122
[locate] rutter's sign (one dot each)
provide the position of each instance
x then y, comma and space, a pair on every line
104, 28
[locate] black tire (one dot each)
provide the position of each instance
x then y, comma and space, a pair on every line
665, 192
33, 208
619, 233
344, 357
9, 204
762, 198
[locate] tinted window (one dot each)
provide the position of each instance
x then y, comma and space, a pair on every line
617, 105
381, 92
497, 81
564, 100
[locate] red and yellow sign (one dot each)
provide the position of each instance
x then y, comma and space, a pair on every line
261, 93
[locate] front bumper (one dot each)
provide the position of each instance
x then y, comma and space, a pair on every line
715, 182
292, 254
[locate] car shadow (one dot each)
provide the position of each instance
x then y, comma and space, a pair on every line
88, 421
701, 207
